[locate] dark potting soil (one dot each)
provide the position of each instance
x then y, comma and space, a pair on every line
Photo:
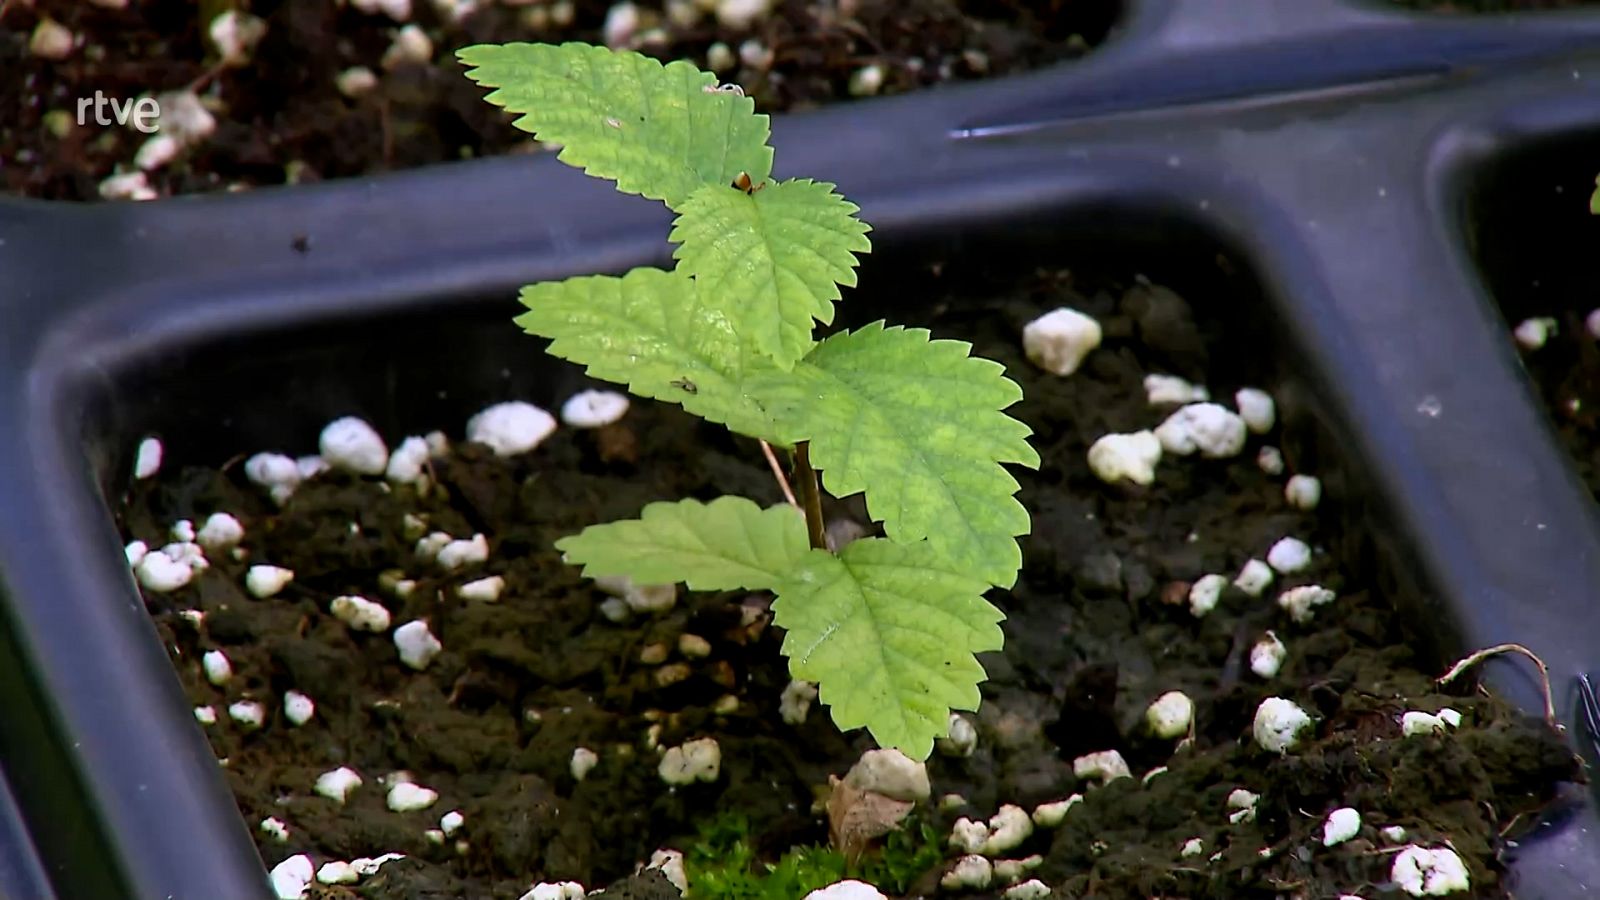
493, 722
1566, 371
282, 118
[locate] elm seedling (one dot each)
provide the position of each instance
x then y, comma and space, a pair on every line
888, 627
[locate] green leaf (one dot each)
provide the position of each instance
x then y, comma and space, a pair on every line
889, 632
773, 260
648, 330
727, 544
917, 425
1594, 198
660, 131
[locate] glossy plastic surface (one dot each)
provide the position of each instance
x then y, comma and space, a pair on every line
1334, 149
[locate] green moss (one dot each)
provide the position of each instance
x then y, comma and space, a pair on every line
721, 864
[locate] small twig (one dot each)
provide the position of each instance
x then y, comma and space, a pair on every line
1473, 659
810, 495
201, 81
777, 472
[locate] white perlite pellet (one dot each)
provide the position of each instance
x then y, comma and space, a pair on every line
555, 890
133, 185
639, 598
220, 532
1254, 577
1242, 806
1192, 847
451, 822
1008, 828
486, 590
407, 462
1341, 825
1429, 872
1301, 602
1270, 460
337, 872
961, 737
356, 81
511, 428
620, 25
416, 644
365, 866
411, 47
274, 828
739, 15
267, 581
720, 57
971, 872
135, 552
1032, 889
583, 760
1131, 457
755, 54
218, 670
866, 81
1394, 834
351, 444
699, 760
1058, 341
277, 473
1417, 722
235, 35
205, 715
1166, 390
1533, 333
1215, 431
51, 40
147, 462
1049, 815
160, 573
892, 774
593, 409
1204, 594
847, 890
968, 835
1170, 715
1289, 555
1256, 409
1106, 765
670, 863
291, 877
337, 784
1007, 871
795, 701
182, 531
460, 554
1303, 492
1267, 656
360, 614
298, 708
184, 117
398, 10
248, 713
408, 797
1278, 724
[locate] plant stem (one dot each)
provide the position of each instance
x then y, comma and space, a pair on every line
810, 495
777, 472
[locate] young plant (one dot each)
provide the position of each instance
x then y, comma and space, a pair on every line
888, 627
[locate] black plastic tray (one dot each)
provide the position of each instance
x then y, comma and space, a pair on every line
1334, 151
